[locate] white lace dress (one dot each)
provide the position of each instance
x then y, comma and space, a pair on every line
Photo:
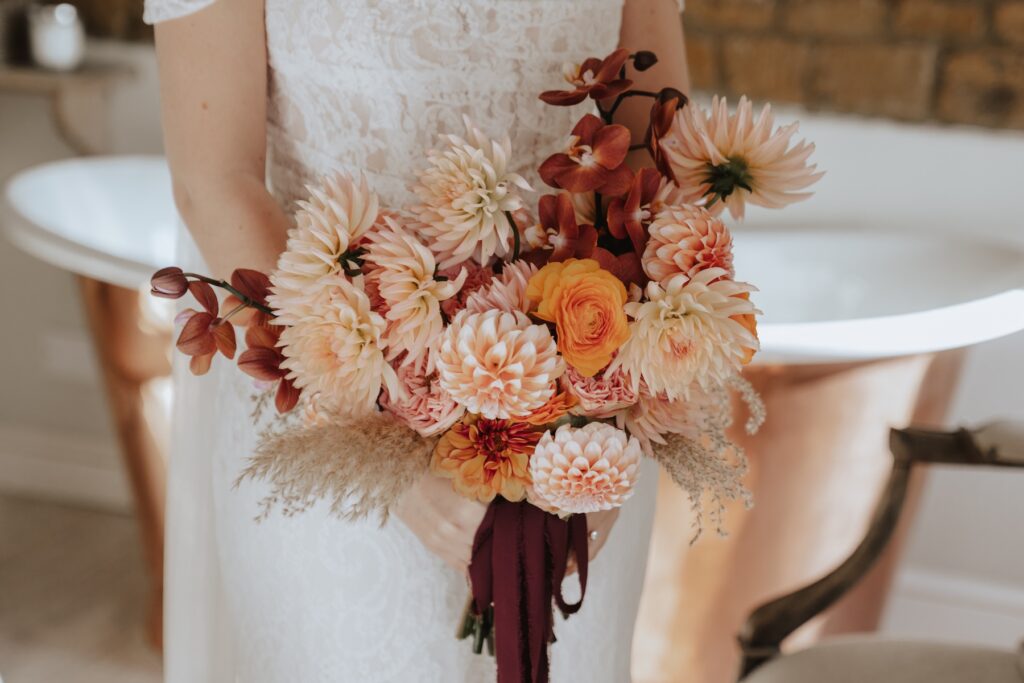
366, 86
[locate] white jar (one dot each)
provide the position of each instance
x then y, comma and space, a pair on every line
57, 36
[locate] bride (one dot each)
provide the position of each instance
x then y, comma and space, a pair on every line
259, 98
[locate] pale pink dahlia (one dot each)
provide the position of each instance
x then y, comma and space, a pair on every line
329, 226
467, 192
686, 239
507, 292
426, 406
403, 273
497, 364
476, 277
601, 395
686, 333
654, 416
336, 352
585, 470
735, 159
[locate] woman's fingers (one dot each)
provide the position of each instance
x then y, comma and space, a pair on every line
599, 526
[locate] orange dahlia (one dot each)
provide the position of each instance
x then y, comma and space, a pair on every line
486, 458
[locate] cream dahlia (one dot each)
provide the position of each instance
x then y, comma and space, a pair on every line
329, 227
735, 159
497, 364
425, 406
601, 395
507, 292
685, 334
403, 271
585, 470
686, 239
336, 353
466, 194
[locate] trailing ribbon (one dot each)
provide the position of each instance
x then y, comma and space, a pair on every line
520, 556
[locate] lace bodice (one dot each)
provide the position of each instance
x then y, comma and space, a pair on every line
364, 86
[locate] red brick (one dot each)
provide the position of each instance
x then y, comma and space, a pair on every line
844, 18
729, 15
985, 87
1008, 21
877, 79
954, 19
766, 68
702, 59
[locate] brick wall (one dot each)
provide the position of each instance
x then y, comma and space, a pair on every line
959, 61
113, 18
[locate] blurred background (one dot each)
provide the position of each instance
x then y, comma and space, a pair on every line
917, 108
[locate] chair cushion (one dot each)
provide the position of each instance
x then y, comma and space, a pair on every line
874, 660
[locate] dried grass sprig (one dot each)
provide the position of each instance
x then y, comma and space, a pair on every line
705, 473
360, 467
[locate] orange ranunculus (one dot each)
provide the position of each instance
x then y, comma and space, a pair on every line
487, 458
749, 321
586, 304
557, 406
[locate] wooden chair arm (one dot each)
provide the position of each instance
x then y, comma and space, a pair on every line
1000, 444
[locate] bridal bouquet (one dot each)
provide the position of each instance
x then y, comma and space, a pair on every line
532, 353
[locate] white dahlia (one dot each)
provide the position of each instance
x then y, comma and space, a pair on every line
686, 239
336, 351
737, 158
585, 470
498, 364
506, 292
329, 226
403, 273
685, 333
465, 194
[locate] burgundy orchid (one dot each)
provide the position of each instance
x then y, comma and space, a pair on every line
629, 216
262, 360
596, 78
595, 159
663, 114
211, 330
204, 333
556, 212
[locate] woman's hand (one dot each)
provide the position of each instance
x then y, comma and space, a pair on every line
602, 523
444, 521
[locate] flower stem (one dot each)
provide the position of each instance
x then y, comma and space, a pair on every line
234, 310
251, 303
629, 93
516, 239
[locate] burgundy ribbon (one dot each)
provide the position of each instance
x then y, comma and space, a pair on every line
520, 555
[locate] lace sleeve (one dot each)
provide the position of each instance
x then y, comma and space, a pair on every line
164, 10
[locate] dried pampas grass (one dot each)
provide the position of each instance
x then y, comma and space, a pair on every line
360, 467
710, 468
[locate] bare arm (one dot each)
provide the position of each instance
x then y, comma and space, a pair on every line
652, 25
213, 82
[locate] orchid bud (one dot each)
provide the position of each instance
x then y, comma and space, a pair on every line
644, 60
169, 283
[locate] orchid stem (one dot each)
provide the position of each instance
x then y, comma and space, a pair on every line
630, 93
251, 303
234, 310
